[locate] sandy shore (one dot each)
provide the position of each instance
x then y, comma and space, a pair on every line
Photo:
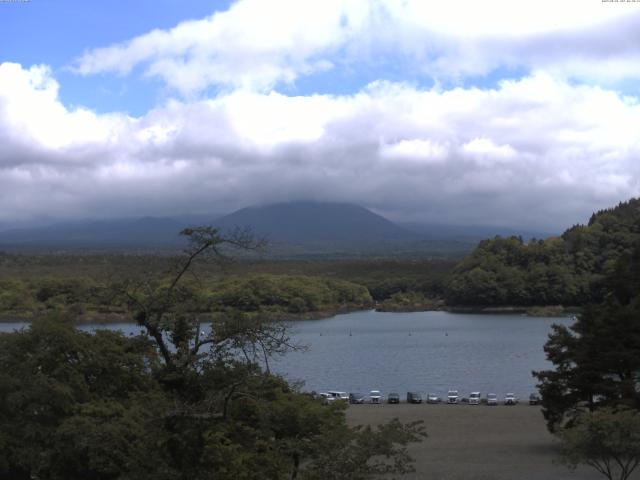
478, 442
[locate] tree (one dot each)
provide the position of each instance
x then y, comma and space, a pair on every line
74, 404
607, 440
596, 360
365, 452
169, 311
230, 415
174, 404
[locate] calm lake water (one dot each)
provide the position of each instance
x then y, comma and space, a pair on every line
421, 351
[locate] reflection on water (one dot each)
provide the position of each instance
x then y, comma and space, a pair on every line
422, 351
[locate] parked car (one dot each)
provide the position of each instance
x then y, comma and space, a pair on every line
474, 398
325, 398
492, 399
356, 398
339, 395
452, 396
414, 397
510, 399
534, 399
393, 397
433, 398
375, 396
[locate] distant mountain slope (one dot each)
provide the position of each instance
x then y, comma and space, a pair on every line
340, 224
473, 233
121, 233
295, 229
563, 270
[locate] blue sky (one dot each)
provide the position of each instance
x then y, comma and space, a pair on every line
54, 32
424, 111
57, 32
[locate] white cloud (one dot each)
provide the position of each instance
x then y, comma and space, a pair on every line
254, 44
487, 154
258, 45
34, 90
415, 150
540, 145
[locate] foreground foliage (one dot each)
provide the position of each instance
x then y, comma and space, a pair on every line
607, 440
597, 360
174, 403
591, 399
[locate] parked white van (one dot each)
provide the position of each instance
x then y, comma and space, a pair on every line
344, 396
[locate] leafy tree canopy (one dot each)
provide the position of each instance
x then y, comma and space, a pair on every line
597, 360
566, 270
606, 440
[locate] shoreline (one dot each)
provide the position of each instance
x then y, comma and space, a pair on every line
108, 318
554, 311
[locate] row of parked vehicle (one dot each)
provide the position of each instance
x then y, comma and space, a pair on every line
453, 397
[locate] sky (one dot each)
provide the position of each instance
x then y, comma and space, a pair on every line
515, 114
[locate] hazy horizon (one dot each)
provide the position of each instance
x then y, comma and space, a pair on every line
212, 218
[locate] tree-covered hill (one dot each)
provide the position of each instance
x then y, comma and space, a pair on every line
564, 270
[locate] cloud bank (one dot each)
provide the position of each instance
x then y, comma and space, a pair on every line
541, 151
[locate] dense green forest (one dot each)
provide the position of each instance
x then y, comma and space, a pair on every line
90, 286
566, 270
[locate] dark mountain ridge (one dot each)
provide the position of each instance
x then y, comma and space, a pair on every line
315, 222
292, 229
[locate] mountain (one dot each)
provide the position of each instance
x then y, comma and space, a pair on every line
295, 228
292, 229
339, 224
471, 233
148, 232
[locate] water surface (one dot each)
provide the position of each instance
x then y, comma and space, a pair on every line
422, 351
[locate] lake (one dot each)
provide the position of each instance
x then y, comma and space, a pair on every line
421, 351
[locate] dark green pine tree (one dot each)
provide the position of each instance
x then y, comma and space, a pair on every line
597, 360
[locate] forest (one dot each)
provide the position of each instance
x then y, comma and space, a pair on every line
88, 285
566, 270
